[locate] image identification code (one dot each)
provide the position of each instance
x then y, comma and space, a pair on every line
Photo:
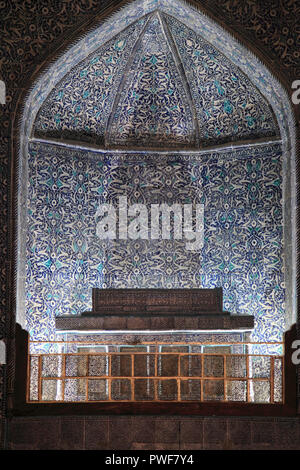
157, 459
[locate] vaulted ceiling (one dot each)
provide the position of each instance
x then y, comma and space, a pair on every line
156, 84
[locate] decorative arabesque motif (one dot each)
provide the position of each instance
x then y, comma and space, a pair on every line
154, 108
156, 84
162, 86
243, 250
228, 106
79, 106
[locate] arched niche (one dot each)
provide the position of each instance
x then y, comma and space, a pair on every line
258, 76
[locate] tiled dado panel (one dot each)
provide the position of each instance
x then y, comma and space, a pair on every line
153, 433
243, 252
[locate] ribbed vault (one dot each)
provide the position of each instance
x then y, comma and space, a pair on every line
156, 84
161, 104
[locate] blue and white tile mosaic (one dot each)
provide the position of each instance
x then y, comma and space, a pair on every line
154, 107
177, 89
80, 105
243, 249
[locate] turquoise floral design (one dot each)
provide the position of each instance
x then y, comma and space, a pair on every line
243, 251
156, 84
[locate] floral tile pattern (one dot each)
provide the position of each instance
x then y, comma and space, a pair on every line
243, 248
80, 105
154, 107
156, 83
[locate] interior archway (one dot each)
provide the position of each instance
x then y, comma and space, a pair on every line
195, 51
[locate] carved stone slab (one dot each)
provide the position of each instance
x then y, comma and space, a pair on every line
156, 309
166, 301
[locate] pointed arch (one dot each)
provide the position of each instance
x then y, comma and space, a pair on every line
260, 77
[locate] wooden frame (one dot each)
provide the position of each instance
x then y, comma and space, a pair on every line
20, 407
